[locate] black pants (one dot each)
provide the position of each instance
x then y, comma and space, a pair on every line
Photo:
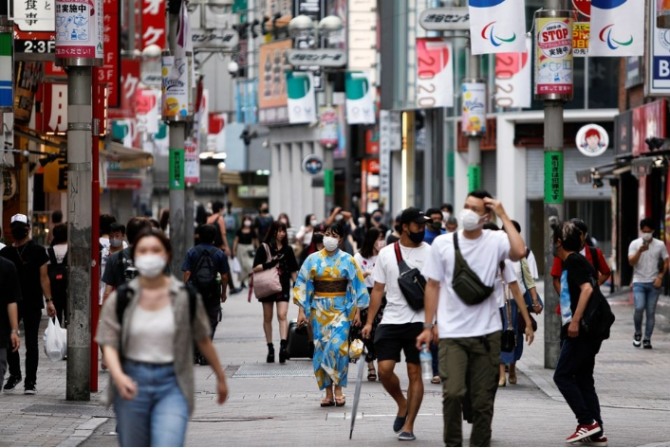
31, 328
60, 303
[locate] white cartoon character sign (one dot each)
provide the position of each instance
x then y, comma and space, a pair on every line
592, 140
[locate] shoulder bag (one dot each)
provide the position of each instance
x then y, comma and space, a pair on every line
411, 282
508, 338
598, 316
466, 283
266, 283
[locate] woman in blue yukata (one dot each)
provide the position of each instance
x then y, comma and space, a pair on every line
330, 293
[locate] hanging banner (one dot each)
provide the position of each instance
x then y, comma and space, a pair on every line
473, 116
79, 32
328, 126
553, 57
617, 28
513, 81
191, 162
153, 23
28, 79
497, 26
360, 98
177, 74
301, 97
435, 73
6, 65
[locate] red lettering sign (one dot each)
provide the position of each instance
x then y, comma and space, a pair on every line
110, 73
153, 23
130, 77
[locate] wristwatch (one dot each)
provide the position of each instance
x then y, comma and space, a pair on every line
428, 326
16, 332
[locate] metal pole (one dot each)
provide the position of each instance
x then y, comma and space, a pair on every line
328, 171
79, 232
474, 141
177, 136
553, 209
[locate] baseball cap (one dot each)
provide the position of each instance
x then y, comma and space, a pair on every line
20, 218
413, 214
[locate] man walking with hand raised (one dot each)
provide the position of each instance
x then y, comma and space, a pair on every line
468, 316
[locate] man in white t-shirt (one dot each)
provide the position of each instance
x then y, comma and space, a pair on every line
649, 258
469, 335
401, 324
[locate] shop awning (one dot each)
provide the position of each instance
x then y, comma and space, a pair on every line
127, 158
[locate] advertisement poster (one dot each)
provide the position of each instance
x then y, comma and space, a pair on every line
581, 27
191, 162
301, 97
272, 95
497, 26
513, 81
592, 140
176, 92
435, 73
79, 29
360, 98
473, 116
553, 56
328, 127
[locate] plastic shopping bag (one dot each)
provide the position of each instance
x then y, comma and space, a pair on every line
235, 266
55, 340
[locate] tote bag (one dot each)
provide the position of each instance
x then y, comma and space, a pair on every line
266, 283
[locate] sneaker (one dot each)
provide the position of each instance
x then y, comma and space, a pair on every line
646, 344
30, 390
583, 431
406, 436
600, 440
12, 382
636, 339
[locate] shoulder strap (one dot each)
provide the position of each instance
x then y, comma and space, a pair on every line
192, 299
266, 246
594, 259
52, 256
456, 248
398, 254
123, 295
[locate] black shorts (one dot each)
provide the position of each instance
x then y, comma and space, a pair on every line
390, 339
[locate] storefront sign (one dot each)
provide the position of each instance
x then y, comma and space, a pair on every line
28, 78
301, 97
445, 19
592, 140
79, 31
435, 73
6, 78
648, 121
272, 95
153, 23
553, 177
553, 57
360, 98
176, 170
54, 108
319, 57
623, 134
658, 57
513, 82
312, 164
473, 113
215, 39
372, 141
384, 156
33, 15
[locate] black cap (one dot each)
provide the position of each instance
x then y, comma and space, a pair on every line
413, 214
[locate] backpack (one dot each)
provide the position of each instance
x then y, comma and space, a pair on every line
129, 270
203, 276
598, 317
57, 274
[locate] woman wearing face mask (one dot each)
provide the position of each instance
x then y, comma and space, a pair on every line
280, 254
366, 259
150, 352
244, 248
329, 291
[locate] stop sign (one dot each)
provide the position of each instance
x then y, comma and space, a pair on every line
583, 7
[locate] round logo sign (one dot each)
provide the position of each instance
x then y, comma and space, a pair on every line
312, 164
592, 140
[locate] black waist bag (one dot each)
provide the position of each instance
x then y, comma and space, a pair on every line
466, 282
410, 281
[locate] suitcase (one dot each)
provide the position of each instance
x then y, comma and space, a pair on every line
298, 345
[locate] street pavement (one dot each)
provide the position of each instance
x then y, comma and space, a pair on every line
278, 405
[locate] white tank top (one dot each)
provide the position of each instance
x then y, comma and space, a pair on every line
151, 336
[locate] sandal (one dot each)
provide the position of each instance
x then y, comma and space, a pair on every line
327, 402
435, 380
372, 374
340, 401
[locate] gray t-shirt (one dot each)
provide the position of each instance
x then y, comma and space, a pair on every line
646, 269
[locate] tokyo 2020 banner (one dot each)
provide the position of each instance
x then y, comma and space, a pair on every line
497, 26
617, 28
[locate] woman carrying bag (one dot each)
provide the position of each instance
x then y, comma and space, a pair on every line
275, 254
149, 349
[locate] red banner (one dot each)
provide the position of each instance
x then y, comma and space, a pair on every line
110, 73
52, 117
153, 23
130, 78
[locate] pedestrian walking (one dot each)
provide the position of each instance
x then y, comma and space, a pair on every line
469, 325
221, 237
57, 269
263, 221
401, 323
649, 258
9, 313
366, 258
30, 261
206, 269
147, 331
280, 254
576, 362
434, 226
244, 249
329, 292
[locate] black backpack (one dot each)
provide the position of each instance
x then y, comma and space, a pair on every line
203, 275
57, 274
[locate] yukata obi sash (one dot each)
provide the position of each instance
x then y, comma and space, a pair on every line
328, 287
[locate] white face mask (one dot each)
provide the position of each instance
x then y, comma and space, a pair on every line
470, 220
338, 218
247, 223
361, 221
330, 243
150, 266
647, 236
314, 222
115, 242
445, 216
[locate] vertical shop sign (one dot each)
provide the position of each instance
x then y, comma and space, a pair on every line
54, 108
176, 170
553, 181
110, 72
28, 78
153, 23
191, 162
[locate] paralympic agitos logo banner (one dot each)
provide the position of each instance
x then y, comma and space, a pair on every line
617, 28
497, 26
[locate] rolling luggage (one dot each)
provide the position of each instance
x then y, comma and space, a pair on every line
298, 345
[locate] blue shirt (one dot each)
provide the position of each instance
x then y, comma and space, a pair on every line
430, 235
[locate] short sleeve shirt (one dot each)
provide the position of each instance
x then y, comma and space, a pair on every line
11, 293
193, 256
28, 259
646, 269
576, 271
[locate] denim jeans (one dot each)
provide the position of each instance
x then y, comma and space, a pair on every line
646, 298
158, 414
574, 377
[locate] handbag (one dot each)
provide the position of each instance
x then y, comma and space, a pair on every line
508, 338
412, 284
466, 283
266, 283
598, 316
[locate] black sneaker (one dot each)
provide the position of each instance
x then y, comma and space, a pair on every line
29, 389
636, 339
646, 344
12, 382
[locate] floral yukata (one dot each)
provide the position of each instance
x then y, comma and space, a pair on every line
329, 289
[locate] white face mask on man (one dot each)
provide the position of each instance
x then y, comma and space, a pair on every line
471, 220
151, 265
330, 243
646, 237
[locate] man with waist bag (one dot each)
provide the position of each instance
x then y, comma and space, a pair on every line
460, 272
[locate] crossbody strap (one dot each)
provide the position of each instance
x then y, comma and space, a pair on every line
508, 308
402, 266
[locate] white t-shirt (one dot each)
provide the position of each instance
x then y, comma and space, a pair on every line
503, 278
366, 265
455, 319
386, 271
646, 269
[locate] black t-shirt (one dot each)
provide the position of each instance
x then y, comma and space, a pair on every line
245, 238
27, 260
11, 293
263, 224
577, 271
115, 270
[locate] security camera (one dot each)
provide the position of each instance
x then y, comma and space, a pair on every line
233, 68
